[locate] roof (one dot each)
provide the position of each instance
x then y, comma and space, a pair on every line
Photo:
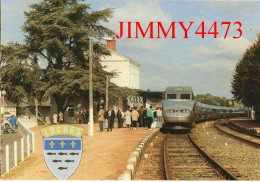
124, 57
26, 103
8, 103
178, 89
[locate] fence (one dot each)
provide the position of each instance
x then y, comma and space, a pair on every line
19, 150
29, 122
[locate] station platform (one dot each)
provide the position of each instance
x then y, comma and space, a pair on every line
247, 122
104, 155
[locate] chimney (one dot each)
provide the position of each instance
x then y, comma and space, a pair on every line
111, 43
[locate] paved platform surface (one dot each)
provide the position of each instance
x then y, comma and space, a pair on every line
247, 122
104, 155
8, 139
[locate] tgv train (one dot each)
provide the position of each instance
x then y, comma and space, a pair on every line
181, 111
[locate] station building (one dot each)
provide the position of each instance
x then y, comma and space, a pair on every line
128, 73
127, 69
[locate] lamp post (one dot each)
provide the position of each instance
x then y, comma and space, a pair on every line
107, 82
91, 123
3, 93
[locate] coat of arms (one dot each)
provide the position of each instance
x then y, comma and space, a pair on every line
62, 149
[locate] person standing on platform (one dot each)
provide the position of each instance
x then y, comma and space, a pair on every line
13, 121
55, 118
60, 117
135, 116
110, 115
119, 118
101, 118
159, 114
150, 117
85, 116
106, 120
80, 117
123, 118
145, 117
128, 117
140, 119
155, 115
253, 115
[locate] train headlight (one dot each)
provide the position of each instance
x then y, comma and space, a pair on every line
170, 111
185, 111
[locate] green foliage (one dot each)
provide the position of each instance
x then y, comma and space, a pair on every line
53, 62
246, 78
18, 72
212, 100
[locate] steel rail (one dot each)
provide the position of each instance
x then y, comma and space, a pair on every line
165, 158
217, 166
257, 145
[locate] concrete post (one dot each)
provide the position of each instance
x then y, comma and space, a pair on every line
22, 149
107, 82
15, 153
91, 122
33, 144
28, 145
7, 158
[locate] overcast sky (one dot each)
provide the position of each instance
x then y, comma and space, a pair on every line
206, 64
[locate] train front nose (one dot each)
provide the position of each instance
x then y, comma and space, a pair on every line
178, 118
177, 113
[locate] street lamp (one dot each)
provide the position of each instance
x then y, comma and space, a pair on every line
107, 82
91, 123
3, 93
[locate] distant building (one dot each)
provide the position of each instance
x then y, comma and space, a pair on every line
128, 70
9, 108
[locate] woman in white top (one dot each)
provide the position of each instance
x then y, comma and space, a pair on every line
128, 118
55, 118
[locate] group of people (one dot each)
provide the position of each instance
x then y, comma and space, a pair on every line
83, 117
57, 118
134, 117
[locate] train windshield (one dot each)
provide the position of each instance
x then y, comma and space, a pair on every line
171, 96
185, 96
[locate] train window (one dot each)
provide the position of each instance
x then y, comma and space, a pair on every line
171, 96
185, 96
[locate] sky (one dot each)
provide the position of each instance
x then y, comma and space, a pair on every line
207, 65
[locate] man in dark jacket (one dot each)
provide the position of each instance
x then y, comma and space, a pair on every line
119, 118
110, 116
140, 119
145, 118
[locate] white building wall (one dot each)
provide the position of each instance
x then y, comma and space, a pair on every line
128, 71
121, 67
134, 76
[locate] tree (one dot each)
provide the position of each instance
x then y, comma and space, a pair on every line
211, 100
246, 78
53, 62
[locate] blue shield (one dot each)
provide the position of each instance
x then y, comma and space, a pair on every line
62, 153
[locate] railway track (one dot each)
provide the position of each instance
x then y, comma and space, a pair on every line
183, 161
248, 139
177, 157
238, 157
